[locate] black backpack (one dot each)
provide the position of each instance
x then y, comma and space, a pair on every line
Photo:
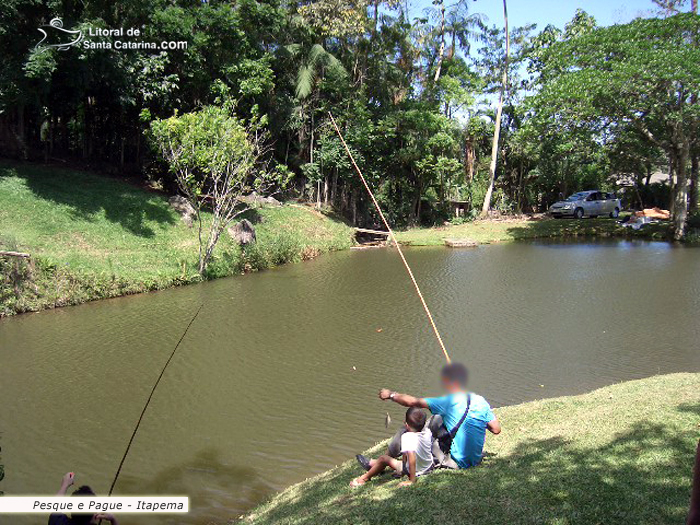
446, 437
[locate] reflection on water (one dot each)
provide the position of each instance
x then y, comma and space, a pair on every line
277, 379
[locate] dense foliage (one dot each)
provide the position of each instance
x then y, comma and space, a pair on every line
414, 92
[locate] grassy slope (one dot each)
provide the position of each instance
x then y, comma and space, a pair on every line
98, 237
621, 454
495, 231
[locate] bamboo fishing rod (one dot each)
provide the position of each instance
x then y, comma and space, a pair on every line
148, 401
393, 238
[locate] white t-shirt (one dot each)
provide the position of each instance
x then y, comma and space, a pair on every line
422, 444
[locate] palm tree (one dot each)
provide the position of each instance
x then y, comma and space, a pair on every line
460, 24
497, 129
456, 22
314, 65
441, 51
317, 63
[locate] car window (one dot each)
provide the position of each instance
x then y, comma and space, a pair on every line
612, 196
591, 197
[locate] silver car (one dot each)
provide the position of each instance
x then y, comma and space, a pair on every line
592, 203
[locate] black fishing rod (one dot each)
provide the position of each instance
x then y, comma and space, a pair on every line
148, 401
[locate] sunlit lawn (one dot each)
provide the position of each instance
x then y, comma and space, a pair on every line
95, 236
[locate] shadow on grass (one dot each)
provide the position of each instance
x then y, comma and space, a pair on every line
572, 228
642, 477
87, 195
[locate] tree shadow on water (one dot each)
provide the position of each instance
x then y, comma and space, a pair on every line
642, 476
573, 230
87, 195
217, 489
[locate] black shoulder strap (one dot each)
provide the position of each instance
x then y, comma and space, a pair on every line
454, 431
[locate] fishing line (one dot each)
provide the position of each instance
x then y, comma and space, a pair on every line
393, 238
148, 401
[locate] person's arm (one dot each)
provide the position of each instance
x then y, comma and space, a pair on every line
402, 399
66, 482
107, 517
494, 426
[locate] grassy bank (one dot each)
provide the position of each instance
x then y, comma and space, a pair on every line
93, 237
621, 454
488, 231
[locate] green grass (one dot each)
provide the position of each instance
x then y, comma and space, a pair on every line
92, 237
489, 231
622, 454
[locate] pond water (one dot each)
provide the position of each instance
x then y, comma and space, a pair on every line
277, 378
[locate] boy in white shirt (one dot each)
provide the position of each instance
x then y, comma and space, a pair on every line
416, 449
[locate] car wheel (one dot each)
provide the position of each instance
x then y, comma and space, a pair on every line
615, 213
578, 213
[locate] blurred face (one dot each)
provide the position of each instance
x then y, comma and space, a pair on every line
451, 386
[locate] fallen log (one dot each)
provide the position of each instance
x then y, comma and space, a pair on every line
371, 232
461, 243
14, 254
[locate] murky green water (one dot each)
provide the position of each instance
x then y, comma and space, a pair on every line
277, 378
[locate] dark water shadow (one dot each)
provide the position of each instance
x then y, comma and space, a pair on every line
543, 481
87, 195
217, 490
600, 228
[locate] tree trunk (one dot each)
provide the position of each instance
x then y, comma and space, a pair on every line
441, 51
375, 19
419, 206
680, 212
469, 158
694, 181
519, 199
334, 187
416, 209
353, 204
497, 130
21, 133
671, 183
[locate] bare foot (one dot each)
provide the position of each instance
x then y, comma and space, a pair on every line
357, 482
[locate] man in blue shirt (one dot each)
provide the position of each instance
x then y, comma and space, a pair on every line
468, 444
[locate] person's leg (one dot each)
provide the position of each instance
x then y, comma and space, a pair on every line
381, 463
394, 449
449, 462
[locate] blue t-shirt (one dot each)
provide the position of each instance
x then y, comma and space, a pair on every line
468, 445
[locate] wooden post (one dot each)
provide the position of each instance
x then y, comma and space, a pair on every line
14, 254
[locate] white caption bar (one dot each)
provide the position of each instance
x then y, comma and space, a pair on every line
94, 505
